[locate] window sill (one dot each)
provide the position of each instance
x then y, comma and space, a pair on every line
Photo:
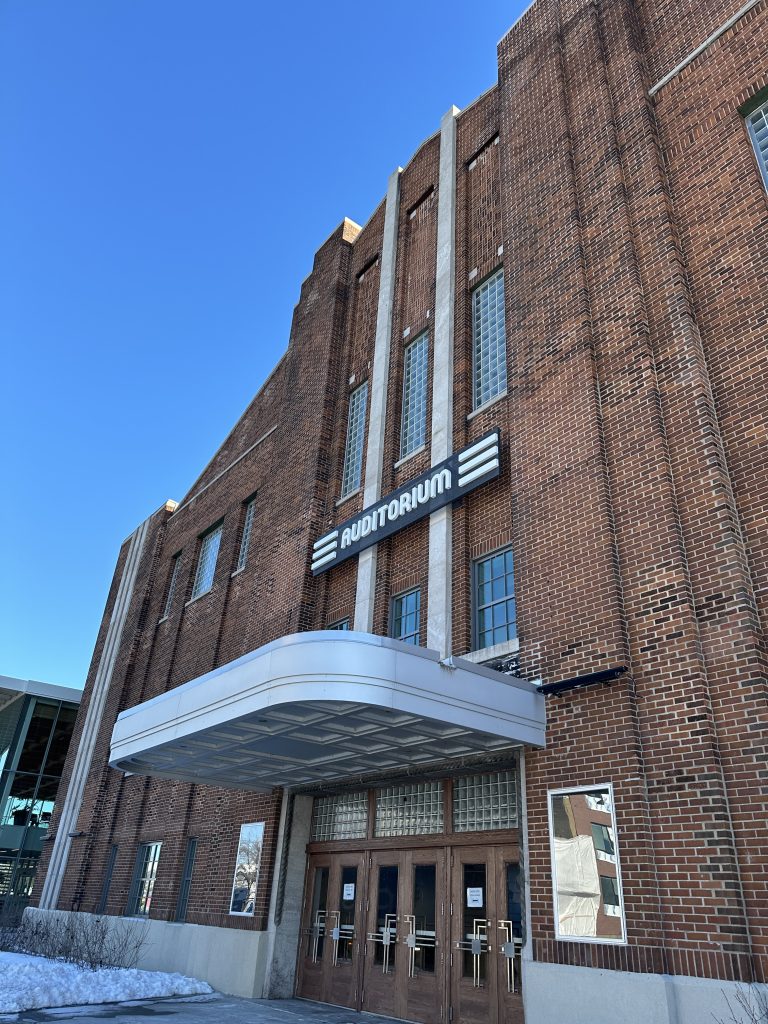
409, 456
199, 596
164, 619
487, 405
348, 496
492, 653
237, 572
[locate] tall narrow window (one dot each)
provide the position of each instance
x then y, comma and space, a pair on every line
246, 882
353, 455
405, 617
757, 123
186, 881
245, 540
586, 876
106, 885
414, 418
489, 342
144, 875
171, 587
494, 599
206, 563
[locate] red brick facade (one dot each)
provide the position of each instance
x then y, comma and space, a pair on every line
633, 233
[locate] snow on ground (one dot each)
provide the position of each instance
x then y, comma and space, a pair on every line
31, 982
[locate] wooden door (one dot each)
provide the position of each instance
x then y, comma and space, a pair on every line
424, 937
485, 944
385, 964
331, 939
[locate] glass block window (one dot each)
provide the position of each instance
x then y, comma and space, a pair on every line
482, 802
494, 600
341, 624
353, 455
411, 810
145, 873
171, 588
757, 123
405, 617
245, 540
414, 418
206, 563
489, 342
340, 817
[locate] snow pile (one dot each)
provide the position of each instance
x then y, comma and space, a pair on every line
30, 982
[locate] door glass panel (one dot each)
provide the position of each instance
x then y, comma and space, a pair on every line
319, 906
386, 914
347, 898
424, 896
514, 907
474, 897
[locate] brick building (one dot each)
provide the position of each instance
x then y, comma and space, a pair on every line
442, 692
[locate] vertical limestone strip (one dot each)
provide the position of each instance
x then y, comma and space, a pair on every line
366, 566
72, 801
440, 523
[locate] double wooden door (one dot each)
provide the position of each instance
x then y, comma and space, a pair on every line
428, 934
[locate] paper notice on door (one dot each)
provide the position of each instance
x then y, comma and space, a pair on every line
349, 891
474, 897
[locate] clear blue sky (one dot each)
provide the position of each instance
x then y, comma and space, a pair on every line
167, 170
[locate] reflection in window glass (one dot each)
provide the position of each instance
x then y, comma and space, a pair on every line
348, 888
316, 938
585, 865
247, 869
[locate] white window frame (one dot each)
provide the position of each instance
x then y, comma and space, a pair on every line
393, 617
760, 149
245, 537
206, 541
254, 886
413, 415
351, 475
591, 939
480, 355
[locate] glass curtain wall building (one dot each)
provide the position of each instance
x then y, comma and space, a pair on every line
36, 724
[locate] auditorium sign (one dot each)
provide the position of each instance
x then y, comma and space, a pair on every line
450, 480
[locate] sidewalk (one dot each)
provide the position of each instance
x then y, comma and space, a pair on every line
208, 1009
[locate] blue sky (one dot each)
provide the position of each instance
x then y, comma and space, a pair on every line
167, 170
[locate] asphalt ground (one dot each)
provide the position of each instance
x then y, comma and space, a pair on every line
205, 1009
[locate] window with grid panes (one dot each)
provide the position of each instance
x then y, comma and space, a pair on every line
757, 123
245, 540
353, 454
489, 343
494, 600
145, 873
171, 588
341, 624
414, 416
206, 563
405, 617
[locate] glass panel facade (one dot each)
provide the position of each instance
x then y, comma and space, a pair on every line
410, 810
482, 802
489, 343
34, 737
340, 817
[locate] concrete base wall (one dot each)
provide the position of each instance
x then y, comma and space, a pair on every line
231, 960
555, 993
